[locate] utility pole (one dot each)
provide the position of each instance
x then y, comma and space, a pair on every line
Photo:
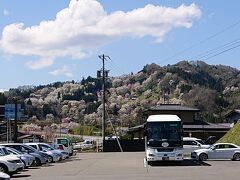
103, 74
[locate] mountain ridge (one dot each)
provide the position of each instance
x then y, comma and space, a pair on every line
214, 89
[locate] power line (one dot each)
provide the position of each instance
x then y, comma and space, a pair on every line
203, 41
223, 47
223, 51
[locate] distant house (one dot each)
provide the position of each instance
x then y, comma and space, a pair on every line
193, 125
233, 116
26, 138
187, 114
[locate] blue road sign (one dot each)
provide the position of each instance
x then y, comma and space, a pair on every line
10, 111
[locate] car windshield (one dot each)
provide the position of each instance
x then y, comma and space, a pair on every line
4, 151
30, 149
46, 146
14, 151
159, 131
201, 142
63, 142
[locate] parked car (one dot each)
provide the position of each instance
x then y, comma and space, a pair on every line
10, 164
40, 157
64, 144
27, 159
88, 144
85, 145
218, 151
53, 156
50, 148
191, 143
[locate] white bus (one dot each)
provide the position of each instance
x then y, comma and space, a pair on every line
164, 138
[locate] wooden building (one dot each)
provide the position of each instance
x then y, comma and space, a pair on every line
193, 125
187, 114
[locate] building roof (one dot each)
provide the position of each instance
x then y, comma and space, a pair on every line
26, 136
194, 127
172, 107
219, 126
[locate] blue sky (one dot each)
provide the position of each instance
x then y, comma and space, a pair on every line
133, 33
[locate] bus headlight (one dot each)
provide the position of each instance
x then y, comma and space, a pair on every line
151, 155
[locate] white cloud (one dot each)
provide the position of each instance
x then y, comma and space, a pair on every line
85, 26
6, 12
62, 71
40, 63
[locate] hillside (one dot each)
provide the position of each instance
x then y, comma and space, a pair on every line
232, 136
212, 88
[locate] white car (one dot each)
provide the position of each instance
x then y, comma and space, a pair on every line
40, 157
85, 145
218, 151
27, 159
10, 164
191, 144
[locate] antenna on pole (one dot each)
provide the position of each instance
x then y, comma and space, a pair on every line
103, 74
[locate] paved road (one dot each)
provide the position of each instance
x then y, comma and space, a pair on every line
119, 166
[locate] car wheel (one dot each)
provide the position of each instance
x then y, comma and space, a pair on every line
50, 159
3, 168
236, 157
203, 157
38, 162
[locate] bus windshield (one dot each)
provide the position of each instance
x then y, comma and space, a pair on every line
164, 131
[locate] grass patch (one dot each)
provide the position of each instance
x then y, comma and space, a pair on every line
232, 136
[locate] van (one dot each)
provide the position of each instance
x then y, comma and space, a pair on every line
64, 144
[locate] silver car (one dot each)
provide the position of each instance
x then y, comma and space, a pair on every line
46, 146
27, 159
40, 158
218, 151
53, 156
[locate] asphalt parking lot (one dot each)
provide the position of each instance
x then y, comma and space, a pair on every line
119, 166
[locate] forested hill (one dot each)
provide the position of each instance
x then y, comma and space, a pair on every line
212, 88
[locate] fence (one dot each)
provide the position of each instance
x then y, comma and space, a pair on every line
127, 145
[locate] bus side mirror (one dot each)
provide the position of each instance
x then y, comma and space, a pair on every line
145, 133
